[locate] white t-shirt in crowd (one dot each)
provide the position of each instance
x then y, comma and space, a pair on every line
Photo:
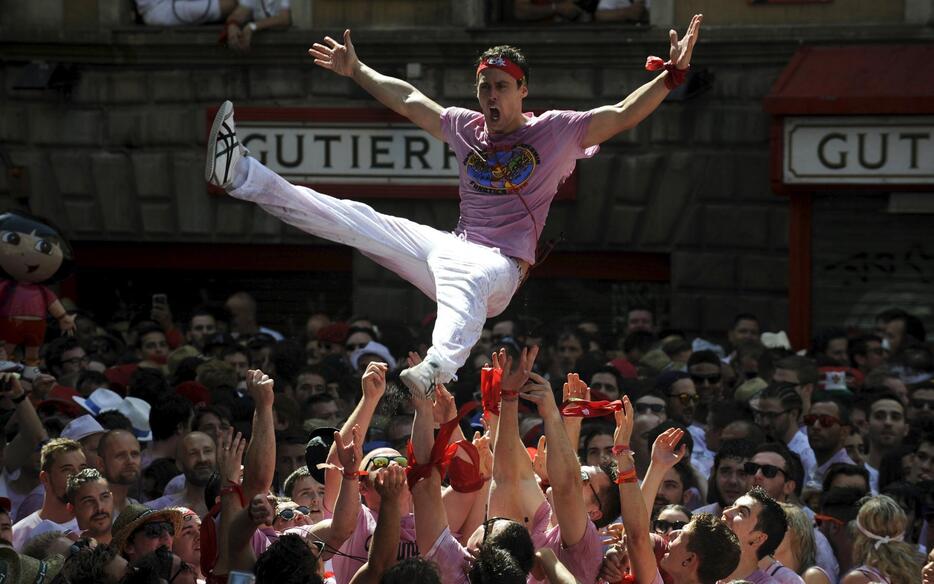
33, 525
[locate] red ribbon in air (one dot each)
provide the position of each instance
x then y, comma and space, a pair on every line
590, 409
441, 458
490, 390
675, 76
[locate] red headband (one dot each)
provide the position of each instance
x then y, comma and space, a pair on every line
502, 63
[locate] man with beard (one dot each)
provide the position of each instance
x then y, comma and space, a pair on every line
777, 411
60, 458
828, 426
887, 430
681, 398
119, 457
198, 457
92, 503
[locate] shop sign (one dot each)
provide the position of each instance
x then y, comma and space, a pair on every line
859, 150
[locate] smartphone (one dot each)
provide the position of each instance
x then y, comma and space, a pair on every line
160, 299
235, 577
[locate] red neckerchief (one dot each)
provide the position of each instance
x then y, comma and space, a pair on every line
441, 455
490, 390
675, 76
590, 409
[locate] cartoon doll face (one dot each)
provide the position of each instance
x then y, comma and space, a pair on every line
27, 257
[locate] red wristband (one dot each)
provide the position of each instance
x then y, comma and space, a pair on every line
628, 476
621, 449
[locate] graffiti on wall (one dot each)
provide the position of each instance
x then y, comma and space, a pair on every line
912, 264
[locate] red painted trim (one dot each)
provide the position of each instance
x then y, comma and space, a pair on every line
212, 256
799, 270
777, 154
614, 266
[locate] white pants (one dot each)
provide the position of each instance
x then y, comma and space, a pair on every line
470, 282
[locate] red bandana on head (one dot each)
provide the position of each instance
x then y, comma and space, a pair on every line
503, 63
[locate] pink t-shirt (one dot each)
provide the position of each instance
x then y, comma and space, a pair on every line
27, 299
358, 544
451, 558
582, 559
500, 172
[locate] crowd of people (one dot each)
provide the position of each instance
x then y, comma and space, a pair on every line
152, 449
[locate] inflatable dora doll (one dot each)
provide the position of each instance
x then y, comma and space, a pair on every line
32, 251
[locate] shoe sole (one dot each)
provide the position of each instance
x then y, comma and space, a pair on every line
411, 382
222, 114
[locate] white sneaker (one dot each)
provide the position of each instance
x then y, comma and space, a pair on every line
224, 149
421, 379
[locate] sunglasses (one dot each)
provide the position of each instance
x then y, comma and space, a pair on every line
819, 519
354, 346
654, 408
825, 420
922, 404
604, 386
686, 398
318, 546
768, 471
585, 476
289, 513
701, 379
664, 526
378, 462
768, 415
155, 529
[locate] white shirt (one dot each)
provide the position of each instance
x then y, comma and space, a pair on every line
701, 456
800, 446
873, 478
264, 9
815, 479
33, 525
16, 498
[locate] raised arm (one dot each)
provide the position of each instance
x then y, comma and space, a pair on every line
260, 461
430, 517
396, 94
31, 432
389, 483
335, 531
664, 457
610, 120
373, 385
635, 517
574, 389
564, 469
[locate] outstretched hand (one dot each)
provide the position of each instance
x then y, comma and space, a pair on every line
538, 391
624, 421
663, 451
260, 387
340, 58
350, 455
373, 382
681, 49
515, 376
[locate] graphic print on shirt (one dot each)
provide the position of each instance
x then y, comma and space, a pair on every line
501, 171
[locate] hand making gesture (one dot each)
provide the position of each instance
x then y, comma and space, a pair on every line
260, 386
230, 456
681, 49
663, 451
340, 58
624, 421
373, 381
350, 454
538, 391
515, 376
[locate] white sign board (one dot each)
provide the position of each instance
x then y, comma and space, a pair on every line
370, 153
858, 150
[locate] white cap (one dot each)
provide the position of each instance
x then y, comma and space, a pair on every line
373, 348
102, 400
137, 411
82, 427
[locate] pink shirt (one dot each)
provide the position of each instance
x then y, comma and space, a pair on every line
582, 559
27, 299
505, 177
358, 544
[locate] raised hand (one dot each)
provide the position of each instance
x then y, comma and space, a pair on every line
539, 392
575, 389
340, 58
444, 409
230, 455
540, 462
373, 381
390, 482
624, 419
515, 376
482, 444
260, 386
262, 509
350, 455
663, 451
681, 49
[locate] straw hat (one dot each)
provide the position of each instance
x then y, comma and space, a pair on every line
135, 515
15, 568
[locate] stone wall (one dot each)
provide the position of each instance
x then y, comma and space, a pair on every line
119, 155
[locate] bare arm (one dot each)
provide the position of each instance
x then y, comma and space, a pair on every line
607, 121
664, 457
373, 385
31, 431
260, 462
335, 531
554, 571
430, 517
389, 483
396, 94
635, 517
283, 19
564, 469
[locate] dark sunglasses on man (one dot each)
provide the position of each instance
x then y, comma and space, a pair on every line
769, 471
378, 462
712, 379
825, 420
686, 398
289, 513
646, 408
